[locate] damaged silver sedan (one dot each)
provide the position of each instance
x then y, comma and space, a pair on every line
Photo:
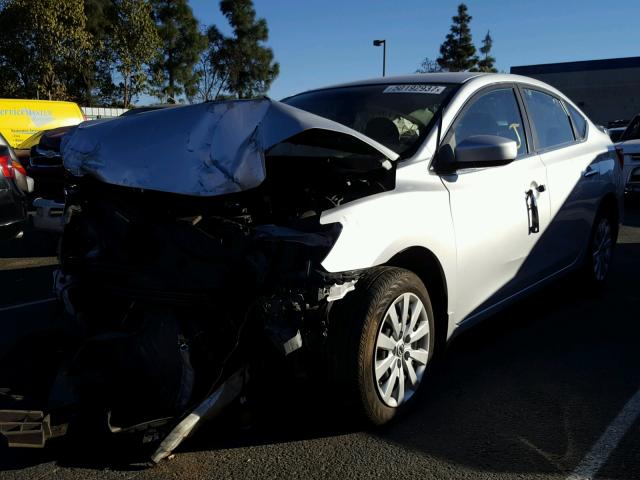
333, 227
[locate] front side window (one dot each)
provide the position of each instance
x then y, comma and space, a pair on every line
493, 113
549, 119
397, 115
579, 122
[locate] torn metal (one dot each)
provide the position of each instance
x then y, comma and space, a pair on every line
209, 407
28, 428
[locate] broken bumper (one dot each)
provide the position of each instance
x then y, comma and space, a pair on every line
28, 428
49, 215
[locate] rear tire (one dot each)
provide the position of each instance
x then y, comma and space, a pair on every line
382, 339
599, 255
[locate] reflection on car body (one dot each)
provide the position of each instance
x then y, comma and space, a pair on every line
361, 226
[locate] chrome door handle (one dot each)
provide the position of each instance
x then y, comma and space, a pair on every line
532, 212
590, 172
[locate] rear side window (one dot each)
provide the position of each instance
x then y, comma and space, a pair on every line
549, 118
579, 122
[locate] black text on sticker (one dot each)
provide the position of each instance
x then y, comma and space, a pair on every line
429, 89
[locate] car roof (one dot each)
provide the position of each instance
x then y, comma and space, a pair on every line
440, 77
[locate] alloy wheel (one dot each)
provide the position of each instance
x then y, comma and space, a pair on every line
402, 350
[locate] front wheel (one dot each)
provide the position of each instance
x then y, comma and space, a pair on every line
387, 330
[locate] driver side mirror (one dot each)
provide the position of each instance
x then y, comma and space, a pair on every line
477, 151
485, 151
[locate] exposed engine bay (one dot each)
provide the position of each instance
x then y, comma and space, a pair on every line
171, 295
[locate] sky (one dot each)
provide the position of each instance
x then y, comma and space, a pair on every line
319, 43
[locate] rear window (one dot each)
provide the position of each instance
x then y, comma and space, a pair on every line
579, 122
549, 118
396, 115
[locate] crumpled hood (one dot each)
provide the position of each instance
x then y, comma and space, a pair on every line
205, 149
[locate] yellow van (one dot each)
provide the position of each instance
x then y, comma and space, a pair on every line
21, 119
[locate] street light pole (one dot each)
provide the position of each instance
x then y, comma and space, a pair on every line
377, 43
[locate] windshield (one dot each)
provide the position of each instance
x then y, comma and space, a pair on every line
396, 115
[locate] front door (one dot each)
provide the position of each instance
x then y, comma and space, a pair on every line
498, 212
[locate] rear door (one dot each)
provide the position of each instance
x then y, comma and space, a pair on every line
492, 207
574, 181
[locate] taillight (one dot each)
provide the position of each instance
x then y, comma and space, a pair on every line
18, 166
620, 155
6, 166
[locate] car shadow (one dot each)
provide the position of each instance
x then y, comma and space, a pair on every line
527, 391
25, 282
34, 243
532, 389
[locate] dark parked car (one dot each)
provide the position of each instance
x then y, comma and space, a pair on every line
149, 108
629, 143
616, 133
14, 186
45, 164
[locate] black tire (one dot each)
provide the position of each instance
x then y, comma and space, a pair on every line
596, 266
355, 324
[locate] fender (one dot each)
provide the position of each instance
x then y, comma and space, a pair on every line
418, 207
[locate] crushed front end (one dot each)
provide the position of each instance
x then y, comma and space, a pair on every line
171, 295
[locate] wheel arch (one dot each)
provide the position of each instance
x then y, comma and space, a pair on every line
424, 263
609, 206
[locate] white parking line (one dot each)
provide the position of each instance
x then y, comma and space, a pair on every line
609, 440
28, 304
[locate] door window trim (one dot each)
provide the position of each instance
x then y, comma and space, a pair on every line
535, 143
574, 126
471, 100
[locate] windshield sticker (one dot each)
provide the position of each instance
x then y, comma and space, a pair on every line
415, 88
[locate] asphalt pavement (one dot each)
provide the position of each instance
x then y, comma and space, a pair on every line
545, 390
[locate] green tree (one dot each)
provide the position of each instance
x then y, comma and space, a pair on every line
96, 74
132, 44
212, 70
173, 71
429, 66
457, 52
486, 63
250, 65
44, 47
